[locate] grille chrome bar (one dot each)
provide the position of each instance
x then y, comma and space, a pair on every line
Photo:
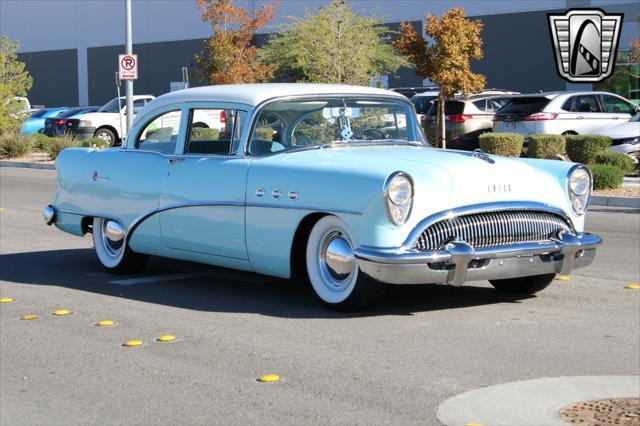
491, 229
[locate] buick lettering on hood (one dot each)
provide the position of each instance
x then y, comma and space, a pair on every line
326, 184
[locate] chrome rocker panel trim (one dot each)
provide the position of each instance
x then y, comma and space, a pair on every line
562, 254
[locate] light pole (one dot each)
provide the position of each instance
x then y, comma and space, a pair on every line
129, 51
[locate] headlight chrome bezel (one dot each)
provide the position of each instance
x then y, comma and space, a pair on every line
579, 202
398, 212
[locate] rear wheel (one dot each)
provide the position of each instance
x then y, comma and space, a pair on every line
523, 285
333, 271
113, 252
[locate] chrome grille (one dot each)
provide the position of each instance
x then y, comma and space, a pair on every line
490, 229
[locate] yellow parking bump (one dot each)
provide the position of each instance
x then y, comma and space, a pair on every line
105, 323
268, 378
633, 286
166, 338
473, 424
132, 343
1, 209
6, 300
563, 278
29, 317
61, 312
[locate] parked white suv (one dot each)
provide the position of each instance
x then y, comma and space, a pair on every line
565, 113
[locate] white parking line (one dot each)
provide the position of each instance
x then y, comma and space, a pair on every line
155, 279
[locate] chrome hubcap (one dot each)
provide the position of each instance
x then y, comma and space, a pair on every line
337, 261
104, 136
113, 237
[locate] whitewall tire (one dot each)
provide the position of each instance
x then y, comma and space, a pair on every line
113, 253
333, 271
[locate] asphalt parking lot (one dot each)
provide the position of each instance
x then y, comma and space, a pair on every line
393, 364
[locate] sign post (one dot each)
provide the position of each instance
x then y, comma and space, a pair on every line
128, 61
118, 82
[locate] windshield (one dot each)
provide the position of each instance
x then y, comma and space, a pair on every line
291, 125
112, 105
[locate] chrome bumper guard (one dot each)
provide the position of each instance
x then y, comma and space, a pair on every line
458, 262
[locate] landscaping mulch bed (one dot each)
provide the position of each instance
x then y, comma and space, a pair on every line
34, 157
623, 191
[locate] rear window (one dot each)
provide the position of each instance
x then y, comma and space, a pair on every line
524, 106
422, 103
450, 108
38, 113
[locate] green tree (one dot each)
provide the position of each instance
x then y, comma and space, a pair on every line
14, 81
446, 60
333, 45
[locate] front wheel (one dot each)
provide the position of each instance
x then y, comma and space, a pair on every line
113, 252
333, 271
106, 135
523, 285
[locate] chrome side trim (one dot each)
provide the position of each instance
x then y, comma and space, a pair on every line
412, 239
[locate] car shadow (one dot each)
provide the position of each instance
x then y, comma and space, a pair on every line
213, 289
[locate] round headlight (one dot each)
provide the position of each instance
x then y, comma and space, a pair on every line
400, 190
579, 181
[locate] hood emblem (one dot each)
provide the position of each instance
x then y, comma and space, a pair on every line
478, 153
501, 187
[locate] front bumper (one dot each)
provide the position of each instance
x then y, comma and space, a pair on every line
458, 262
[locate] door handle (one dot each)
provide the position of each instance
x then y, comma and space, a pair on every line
615, 118
580, 117
173, 161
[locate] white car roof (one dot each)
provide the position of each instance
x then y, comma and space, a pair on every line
254, 94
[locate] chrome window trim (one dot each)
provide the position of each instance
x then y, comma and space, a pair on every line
258, 109
425, 223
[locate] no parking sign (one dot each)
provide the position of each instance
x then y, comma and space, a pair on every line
128, 65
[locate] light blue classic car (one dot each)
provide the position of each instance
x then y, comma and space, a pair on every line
332, 184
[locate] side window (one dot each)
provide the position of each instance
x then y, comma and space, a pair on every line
267, 134
138, 104
210, 131
568, 104
161, 133
616, 105
586, 103
482, 105
495, 104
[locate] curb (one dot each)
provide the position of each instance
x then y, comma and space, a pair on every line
599, 200
27, 165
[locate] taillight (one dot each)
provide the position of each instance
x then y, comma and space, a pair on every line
459, 118
223, 117
59, 121
540, 116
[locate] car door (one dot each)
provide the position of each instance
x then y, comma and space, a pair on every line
202, 207
586, 114
616, 109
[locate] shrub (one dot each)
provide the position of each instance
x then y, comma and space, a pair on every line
585, 148
506, 144
204, 134
56, 145
544, 146
617, 159
95, 143
39, 141
12, 146
606, 176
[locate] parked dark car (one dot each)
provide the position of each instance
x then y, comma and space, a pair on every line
60, 124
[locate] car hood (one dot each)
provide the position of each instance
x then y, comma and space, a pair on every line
443, 179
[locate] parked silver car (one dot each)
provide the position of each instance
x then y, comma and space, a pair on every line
566, 113
625, 137
466, 119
